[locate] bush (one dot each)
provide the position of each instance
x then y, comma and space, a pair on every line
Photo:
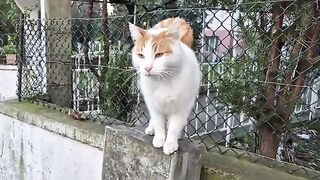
119, 89
9, 49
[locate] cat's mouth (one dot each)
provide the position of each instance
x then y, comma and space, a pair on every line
158, 75
149, 74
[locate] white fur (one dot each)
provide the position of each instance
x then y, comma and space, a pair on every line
156, 31
135, 31
169, 98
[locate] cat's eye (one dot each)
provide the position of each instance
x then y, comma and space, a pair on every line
141, 55
158, 55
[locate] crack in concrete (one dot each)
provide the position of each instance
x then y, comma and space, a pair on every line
2, 145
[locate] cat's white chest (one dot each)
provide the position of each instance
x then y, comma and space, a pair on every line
161, 97
164, 98
164, 103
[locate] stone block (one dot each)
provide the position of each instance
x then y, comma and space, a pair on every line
129, 154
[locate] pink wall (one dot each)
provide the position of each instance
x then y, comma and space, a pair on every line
225, 38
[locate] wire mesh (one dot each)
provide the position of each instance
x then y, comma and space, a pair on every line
260, 73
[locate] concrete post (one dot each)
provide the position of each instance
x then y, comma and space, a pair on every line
313, 101
58, 37
129, 154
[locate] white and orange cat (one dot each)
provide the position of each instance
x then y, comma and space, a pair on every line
169, 78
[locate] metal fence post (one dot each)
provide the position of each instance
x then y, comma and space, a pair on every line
21, 54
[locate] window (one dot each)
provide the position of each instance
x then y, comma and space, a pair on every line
211, 48
211, 43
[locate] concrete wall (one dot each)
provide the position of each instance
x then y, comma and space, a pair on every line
28, 152
8, 82
39, 143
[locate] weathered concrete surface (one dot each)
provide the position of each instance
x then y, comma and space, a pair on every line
28, 152
58, 122
8, 82
235, 163
129, 154
226, 167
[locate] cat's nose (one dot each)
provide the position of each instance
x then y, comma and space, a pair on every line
148, 68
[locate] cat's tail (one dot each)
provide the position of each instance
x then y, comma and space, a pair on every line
185, 31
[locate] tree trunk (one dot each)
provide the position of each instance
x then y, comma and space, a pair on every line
274, 56
269, 140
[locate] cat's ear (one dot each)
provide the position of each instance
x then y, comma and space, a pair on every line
135, 31
173, 29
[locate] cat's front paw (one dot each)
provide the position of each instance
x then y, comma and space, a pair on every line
149, 130
158, 141
170, 147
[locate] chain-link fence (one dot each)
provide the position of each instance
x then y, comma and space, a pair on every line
259, 61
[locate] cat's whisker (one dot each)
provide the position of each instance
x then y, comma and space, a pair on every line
158, 75
170, 68
162, 75
168, 73
166, 76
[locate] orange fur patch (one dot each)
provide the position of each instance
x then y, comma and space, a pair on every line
185, 31
140, 42
160, 43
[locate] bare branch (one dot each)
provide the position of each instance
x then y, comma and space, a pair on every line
307, 64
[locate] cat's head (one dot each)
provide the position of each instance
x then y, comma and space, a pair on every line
157, 51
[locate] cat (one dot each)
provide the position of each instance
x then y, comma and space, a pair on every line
169, 76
